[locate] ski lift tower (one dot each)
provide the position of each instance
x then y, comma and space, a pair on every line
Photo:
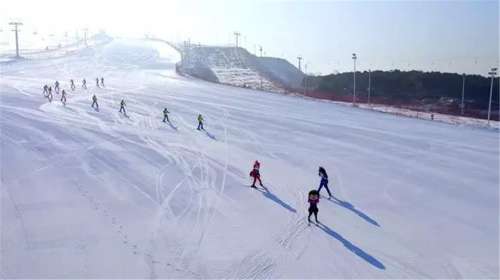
16, 31
299, 59
236, 36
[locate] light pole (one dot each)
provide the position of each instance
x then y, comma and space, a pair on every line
354, 57
305, 79
463, 95
492, 73
260, 50
369, 85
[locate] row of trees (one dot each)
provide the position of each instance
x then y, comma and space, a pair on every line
412, 88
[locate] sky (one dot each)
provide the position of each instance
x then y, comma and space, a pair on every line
448, 36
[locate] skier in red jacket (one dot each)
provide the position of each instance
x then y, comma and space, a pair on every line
255, 174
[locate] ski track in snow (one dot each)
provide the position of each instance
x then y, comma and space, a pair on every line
100, 194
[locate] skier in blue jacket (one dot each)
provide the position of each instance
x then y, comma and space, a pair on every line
324, 181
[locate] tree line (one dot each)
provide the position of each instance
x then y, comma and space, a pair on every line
437, 90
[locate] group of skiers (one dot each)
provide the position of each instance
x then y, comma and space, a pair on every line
95, 105
47, 90
314, 195
165, 114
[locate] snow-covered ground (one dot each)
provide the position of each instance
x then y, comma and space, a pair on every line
39, 50
450, 119
89, 194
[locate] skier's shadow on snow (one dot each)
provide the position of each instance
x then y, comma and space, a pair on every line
351, 247
172, 126
210, 135
276, 199
351, 207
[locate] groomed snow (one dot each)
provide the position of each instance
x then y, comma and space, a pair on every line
89, 194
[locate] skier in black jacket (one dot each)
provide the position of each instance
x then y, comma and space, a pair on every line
122, 107
313, 205
165, 115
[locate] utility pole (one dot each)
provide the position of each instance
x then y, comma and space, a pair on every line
492, 73
299, 58
354, 57
236, 36
369, 85
462, 105
16, 31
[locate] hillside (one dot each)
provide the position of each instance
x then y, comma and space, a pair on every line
97, 194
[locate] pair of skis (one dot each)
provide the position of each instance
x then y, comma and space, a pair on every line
261, 188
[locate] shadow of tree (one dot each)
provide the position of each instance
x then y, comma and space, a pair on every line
351, 247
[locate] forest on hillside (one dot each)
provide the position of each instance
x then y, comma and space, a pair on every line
428, 91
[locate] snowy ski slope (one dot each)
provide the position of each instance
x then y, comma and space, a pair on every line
89, 194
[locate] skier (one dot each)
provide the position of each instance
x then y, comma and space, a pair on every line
165, 115
200, 122
255, 174
63, 97
313, 205
97, 82
122, 107
72, 84
84, 84
324, 181
45, 90
94, 102
49, 95
56, 87
102, 81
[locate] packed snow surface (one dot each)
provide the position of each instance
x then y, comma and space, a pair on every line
96, 194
